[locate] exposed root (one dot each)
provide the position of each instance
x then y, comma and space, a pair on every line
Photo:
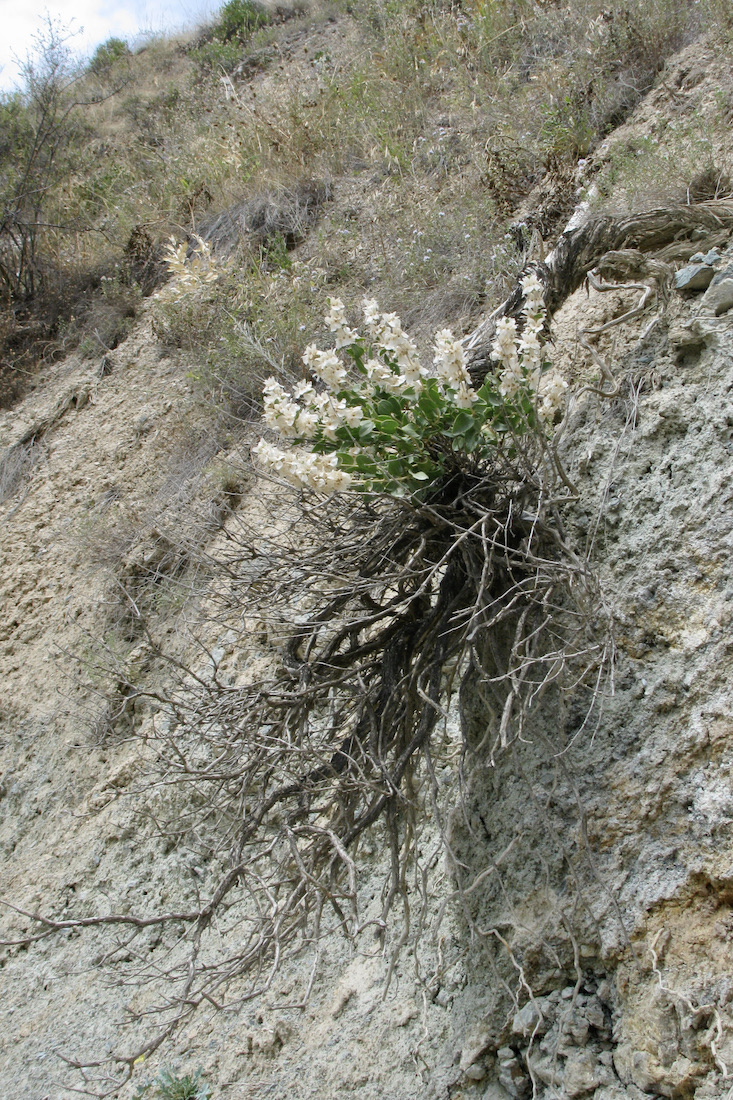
387, 609
582, 249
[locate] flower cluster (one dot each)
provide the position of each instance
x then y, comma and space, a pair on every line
304, 469
190, 270
385, 422
521, 359
450, 367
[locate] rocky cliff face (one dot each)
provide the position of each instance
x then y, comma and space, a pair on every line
598, 851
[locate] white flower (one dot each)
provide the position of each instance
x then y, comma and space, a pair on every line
306, 424
383, 378
532, 287
465, 396
353, 416
271, 456
336, 313
318, 402
333, 417
311, 355
504, 348
304, 469
511, 380
450, 360
273, 391
371, 314
530, 349
280, 410
336, 321
552, 394
327, 366
378, 373
303, 389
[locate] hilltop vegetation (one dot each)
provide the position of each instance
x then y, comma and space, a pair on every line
428, 124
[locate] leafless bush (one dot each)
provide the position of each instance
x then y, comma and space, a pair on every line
281, 215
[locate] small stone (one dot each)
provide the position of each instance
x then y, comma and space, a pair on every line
525, 1021
514, 1080
711, 257
719, 298
577, 1029
724, 273
476, 1072
495, 1091
694, 277
546, 1069
604, 992
580, 1075
594, 1013
477, 1039
698, 258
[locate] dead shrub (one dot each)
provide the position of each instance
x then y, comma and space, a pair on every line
16, 465
143, 261
286, 214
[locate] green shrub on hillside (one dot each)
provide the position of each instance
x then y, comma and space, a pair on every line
236, 22
238, 18
105, 56
169, 1086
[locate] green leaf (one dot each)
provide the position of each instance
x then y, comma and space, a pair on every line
410, 432
463, 422
356, 353
387, 425
470, 442
490, 394
389, 406
429, 403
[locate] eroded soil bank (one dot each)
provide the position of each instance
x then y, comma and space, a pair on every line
608, 846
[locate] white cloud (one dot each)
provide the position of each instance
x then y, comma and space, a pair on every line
95, 20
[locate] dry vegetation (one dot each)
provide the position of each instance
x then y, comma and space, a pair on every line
428, 123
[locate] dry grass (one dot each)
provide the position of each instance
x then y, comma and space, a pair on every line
428, 123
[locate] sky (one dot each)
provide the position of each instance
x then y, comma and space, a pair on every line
96, 20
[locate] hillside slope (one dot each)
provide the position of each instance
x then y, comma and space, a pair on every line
602, 854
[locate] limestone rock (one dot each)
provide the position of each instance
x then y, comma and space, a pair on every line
495, 1091
527, 1019
583, 1073
694, 277
724, 273
646, 1071
512, 1075
719, 297
476, 1042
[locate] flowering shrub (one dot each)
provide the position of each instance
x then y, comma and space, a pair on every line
389, 424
